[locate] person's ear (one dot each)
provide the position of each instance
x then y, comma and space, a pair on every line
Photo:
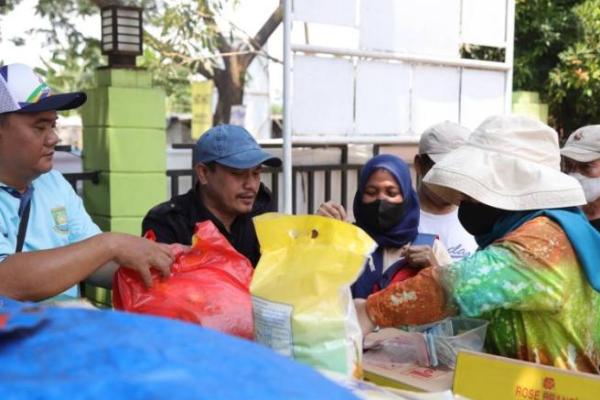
3, 124
201, 172
417, 164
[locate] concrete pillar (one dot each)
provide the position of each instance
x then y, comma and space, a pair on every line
124, 138
529, 104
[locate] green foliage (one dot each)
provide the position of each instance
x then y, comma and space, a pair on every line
7, 8
474, 52
184, 32
543, 29
556, 54
65, 72
74, 56
173, 78
185, 41
574, 83
182, 38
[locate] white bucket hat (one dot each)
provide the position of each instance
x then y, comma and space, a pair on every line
583, 145
510, 162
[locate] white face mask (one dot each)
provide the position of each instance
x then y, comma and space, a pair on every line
591, 186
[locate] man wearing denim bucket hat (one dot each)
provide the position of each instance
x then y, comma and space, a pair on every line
536, 277
48, 241
227, 161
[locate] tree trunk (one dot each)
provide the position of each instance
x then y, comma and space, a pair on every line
230, 89
230, 81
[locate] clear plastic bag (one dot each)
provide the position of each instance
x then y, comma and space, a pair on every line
430, 345
467, 334
390, 346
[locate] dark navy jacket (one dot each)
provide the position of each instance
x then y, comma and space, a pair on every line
174, 221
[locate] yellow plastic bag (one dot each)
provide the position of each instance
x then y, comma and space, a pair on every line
301, 289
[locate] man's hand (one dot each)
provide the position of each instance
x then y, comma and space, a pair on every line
366, 325
333, 210
420, 257
141, 254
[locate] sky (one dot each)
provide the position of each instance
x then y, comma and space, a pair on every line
249, 16
19, 22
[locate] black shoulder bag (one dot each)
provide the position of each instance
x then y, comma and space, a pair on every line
23, 227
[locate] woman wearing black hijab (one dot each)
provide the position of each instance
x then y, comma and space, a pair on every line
386, 207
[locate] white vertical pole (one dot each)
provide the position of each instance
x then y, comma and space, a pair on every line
510, 46
287, 110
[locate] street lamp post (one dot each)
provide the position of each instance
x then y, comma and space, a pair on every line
122, 35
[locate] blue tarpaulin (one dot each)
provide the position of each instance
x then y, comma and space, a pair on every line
55, 353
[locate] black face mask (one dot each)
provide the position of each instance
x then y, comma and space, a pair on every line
596, 224
381, 215
477, 218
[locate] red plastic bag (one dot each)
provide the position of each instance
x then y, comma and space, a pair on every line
209, 285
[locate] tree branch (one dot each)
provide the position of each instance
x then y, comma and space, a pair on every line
263, 34
207, 15
169, 51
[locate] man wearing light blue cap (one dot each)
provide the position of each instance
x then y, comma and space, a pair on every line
227, 161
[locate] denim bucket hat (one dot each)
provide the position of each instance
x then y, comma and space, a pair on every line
232, 146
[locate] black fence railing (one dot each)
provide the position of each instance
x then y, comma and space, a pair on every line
304, 178
75, 177
304, 174
67, 148
309, 171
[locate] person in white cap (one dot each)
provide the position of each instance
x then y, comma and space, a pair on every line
48, 243
582, 151
536, 277
438, 216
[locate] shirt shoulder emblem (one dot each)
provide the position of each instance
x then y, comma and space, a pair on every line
61, 223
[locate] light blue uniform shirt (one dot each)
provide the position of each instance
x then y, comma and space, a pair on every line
57, 218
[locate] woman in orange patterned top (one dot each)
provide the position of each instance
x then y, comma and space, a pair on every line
536, 276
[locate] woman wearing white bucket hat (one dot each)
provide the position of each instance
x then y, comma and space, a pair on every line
536, 276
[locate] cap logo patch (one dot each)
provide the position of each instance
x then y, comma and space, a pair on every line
40, 92
22, 90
